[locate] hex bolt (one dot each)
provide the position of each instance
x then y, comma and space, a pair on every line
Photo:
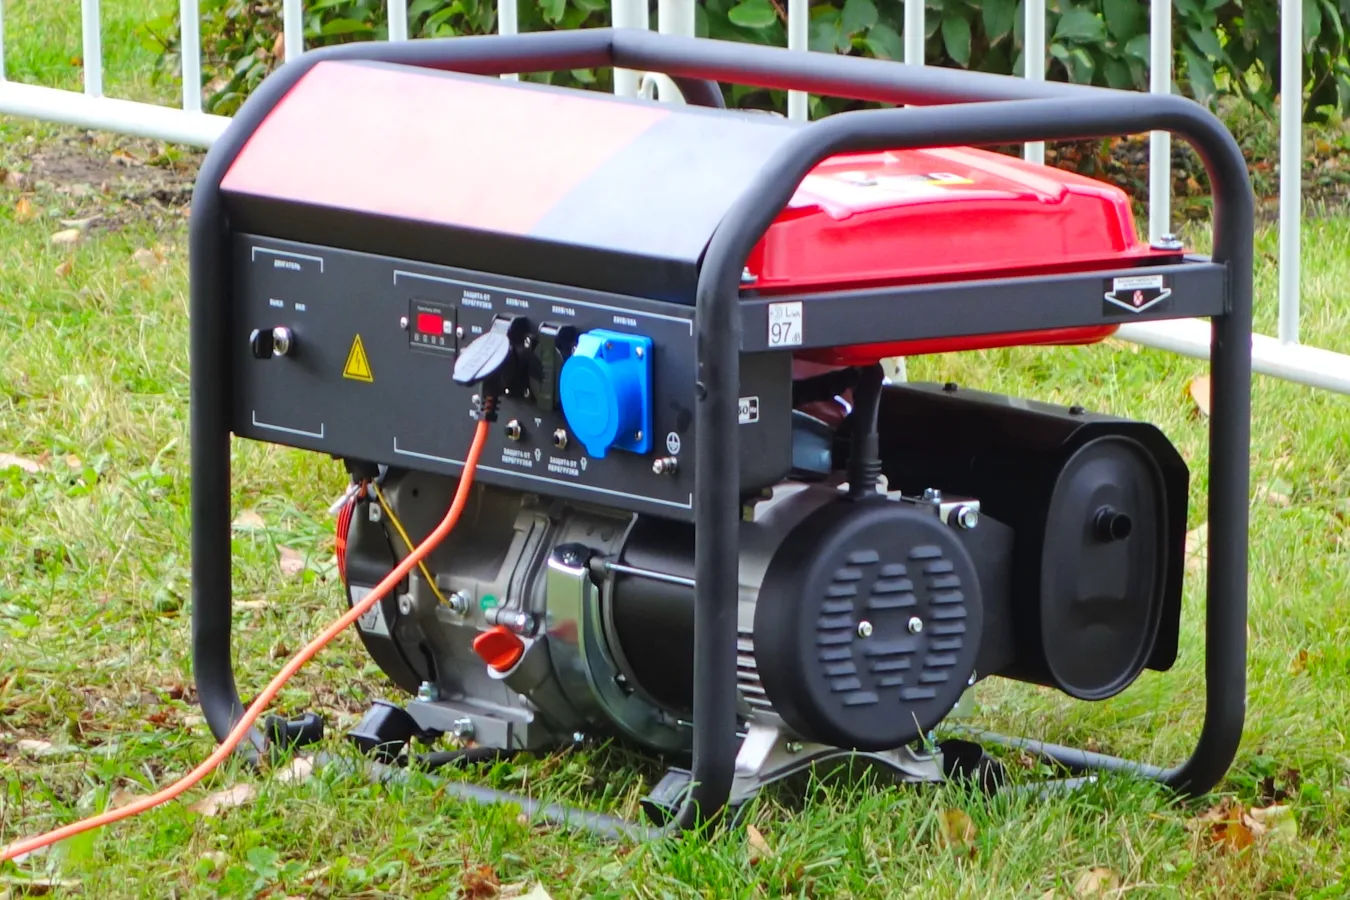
864, 629
374, 513
915, 625
1076, 410
459, 603
666, 465
462, 729
793, 747
1168, 242
560, 438
428, 692
966, 517
932, 494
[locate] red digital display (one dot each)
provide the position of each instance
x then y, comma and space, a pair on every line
429, 323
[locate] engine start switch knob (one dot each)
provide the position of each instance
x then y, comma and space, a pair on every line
606, 392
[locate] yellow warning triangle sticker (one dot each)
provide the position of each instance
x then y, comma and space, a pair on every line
358, 367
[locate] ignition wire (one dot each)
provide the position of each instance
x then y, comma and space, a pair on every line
237, 734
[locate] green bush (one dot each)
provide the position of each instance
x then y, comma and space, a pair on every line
1221, 46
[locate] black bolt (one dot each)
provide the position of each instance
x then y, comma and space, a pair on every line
950, 387
1076, 410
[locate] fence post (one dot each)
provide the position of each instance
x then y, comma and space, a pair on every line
93, 48
1291, 164
799, 38
293, 27
1033, 65
398, 20
628, 14
189, 26
1160, 142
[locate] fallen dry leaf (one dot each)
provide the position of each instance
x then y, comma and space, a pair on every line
759, 848
250, 604
1229, 825
9, 461
23, 210
1096, 882
1200, 393
479, 882
1276, 493
291, 561
64, 270
36, 748
248, 520
1299, 664
212, 804
81, 224
147, 259
955, 829
74, 461
299, 769
14, 179
522, 891
69, 236
1278, 821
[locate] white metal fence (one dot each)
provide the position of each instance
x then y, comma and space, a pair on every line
1283, 355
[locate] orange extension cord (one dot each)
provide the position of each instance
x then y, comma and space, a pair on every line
226, 747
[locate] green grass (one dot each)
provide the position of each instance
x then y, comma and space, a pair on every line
95, 679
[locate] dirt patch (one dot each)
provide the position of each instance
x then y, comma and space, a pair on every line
105, 182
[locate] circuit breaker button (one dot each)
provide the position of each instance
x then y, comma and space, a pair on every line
499, 647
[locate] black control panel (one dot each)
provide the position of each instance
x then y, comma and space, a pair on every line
354, 355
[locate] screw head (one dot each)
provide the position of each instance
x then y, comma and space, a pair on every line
403, 322
578, 737
462, 728
793, 746
405, 604
915, 625
864, 629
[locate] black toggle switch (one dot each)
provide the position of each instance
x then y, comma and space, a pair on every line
260, 342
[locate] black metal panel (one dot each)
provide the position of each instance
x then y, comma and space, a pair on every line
991, 306
413, 415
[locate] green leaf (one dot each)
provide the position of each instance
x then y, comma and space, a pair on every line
998, 17
1312, 22
591, 6
860, 15
344, 26
1200, 74
1080, 24
956, 37
1117, 74
1124, 18
1138, 47
752, 14
552, 9
884, 42
1206, 42
1081, 65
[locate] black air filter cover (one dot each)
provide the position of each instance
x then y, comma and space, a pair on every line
836, 651
1098, 508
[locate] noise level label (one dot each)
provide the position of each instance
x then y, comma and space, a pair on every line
358, 366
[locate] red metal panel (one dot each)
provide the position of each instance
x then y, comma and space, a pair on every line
425, 147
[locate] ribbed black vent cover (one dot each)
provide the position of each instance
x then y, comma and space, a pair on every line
868, 624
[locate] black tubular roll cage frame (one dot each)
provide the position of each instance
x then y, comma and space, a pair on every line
975, 109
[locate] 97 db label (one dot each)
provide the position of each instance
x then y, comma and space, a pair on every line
785, 324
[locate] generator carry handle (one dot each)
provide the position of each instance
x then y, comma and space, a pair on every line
980, 109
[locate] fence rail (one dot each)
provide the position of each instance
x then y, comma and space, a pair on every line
1281, 356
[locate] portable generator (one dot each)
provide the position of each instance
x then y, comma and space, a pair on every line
704, 522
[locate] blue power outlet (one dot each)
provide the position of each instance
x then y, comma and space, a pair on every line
606, 392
